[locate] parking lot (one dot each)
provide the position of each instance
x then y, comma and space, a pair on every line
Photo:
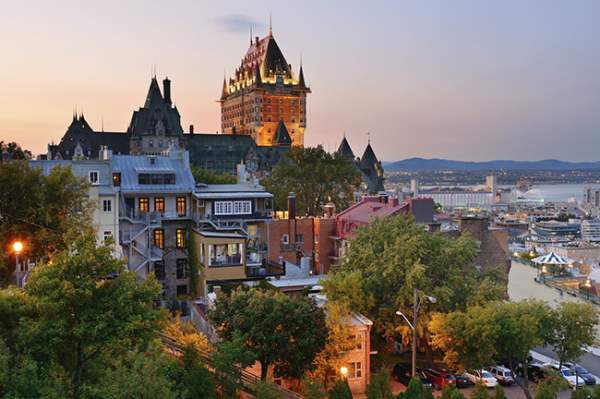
512, 392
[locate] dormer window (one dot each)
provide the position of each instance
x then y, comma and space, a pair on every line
93, 177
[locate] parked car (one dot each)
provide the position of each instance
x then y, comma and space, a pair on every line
440, 378
403, 373
535, 371
581, 372
502, 374
462, 381
567, 375
483, 376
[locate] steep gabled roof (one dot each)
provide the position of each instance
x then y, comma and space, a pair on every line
301, 82
154, 96
282, 137
345, 150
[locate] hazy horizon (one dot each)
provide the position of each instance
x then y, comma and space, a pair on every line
471, 81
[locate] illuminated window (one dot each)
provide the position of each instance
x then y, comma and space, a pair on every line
116, 179
180, 238
144, 205
159, 238
159, 204
181, 211
354, 370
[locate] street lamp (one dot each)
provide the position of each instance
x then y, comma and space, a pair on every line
588, 286
413, 326
544, 270
344, 371
17, 247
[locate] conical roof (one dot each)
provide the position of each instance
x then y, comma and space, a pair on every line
345, 150
301, 82
282, 137
224, 91
154, 96
368, 159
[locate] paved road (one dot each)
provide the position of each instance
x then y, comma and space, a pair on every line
589, 361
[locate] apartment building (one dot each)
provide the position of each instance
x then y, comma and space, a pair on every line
155, 215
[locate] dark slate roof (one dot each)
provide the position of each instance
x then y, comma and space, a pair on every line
301, 82
223, 152
368, 159
157, 117
282, 137
79, 133
345, 150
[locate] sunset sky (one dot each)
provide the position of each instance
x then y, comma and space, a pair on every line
468, 80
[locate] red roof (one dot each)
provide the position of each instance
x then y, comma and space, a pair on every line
364, 211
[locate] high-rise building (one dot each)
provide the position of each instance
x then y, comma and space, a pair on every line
263, 92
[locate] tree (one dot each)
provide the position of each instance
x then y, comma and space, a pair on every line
581, 393
416, 390
480, 392
340, 340
502, 331
208, 176
13, 151
451, 392
228, 361
550, 386
185, 334
282, 332
312, 390
266, 390
574, 329
316, 177
86, 310
499, 393
39, 210
407, 257
379, 386
340, 390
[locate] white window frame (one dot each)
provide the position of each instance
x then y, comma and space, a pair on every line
107, 234
233, 207
107, 205
97, 180
285, 239
357, 368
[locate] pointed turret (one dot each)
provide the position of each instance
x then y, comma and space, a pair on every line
368, 160
257, 78
224, 91
345, 150
301, 82
154, 94
282, 137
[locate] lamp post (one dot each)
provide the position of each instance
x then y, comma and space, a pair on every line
544, 270
17, 249
413, 326
588, 286
344, 372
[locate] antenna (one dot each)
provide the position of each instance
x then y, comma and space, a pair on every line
369, 137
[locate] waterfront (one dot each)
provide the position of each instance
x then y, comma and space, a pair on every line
558, 192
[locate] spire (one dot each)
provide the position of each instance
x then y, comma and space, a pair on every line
270, 25
282, 137
251, 34
153, 93
345, 150
301, 82
224, 92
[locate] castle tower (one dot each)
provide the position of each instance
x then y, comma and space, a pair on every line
262, 92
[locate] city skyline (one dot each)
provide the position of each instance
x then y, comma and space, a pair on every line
469, 81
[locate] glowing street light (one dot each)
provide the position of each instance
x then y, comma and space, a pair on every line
17, 247
344, 371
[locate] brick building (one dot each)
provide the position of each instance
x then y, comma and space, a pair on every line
263, 92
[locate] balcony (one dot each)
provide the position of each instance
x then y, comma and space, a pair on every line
269, 269
226, 260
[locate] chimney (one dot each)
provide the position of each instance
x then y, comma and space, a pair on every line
167, 90
191, 129
329, 210
291, 206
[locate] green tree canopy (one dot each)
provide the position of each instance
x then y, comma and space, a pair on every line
208, 176
316, 177
340, 390
391, 257
574, 329
379, 387
13, 151
38, 210
274, 327
77, 315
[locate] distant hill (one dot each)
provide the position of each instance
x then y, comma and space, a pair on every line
422, 164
